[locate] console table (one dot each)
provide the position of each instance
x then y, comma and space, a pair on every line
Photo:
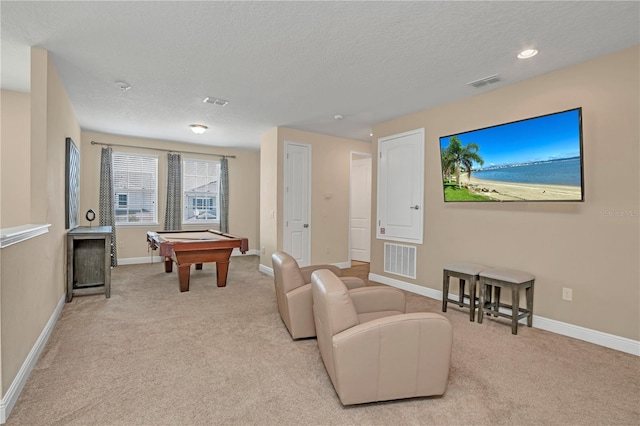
88, 261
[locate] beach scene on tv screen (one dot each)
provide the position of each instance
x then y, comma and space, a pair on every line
537, 159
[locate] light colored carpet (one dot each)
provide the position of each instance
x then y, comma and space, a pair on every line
151, 355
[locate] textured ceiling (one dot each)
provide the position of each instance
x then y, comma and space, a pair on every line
293, 64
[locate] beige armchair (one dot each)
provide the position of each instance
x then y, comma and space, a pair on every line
293, 293
371, 349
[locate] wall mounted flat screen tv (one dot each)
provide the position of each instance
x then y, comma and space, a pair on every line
535, 159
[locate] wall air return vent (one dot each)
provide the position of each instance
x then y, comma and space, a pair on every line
484, 81
400, 260
215, 101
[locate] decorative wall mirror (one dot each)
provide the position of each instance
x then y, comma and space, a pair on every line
72, 184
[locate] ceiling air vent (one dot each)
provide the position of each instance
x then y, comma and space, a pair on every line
215, 101
484, 81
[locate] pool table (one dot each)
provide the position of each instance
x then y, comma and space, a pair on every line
188, 247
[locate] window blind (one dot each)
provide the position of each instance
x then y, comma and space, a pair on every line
135, 183
200, 188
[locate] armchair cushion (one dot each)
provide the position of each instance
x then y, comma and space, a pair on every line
393, 356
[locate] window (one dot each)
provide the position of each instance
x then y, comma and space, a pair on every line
122, 200
200, 185
135, 184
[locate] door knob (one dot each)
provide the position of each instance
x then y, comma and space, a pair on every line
416, 207
306, 225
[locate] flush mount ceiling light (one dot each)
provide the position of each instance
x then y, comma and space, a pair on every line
198, 129
527, 53
338, 117
215, 101
123, 85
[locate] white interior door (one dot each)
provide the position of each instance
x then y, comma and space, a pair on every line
360, 207
297, 202
401, 187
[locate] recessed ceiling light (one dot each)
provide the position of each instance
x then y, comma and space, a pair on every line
528, 53
198, 129
338, 117
122, 85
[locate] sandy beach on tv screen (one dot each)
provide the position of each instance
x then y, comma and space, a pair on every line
509, 191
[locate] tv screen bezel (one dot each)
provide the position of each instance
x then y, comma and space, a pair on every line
581, 156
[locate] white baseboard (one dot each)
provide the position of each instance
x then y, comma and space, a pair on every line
10, 398
251, 252
159, 259
607, 340
611, 341
424, 291
265, 269
140, 260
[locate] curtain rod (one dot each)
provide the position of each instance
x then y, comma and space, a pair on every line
160, 149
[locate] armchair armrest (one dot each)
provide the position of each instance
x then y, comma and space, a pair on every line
389, 324
377, 299
306, 271
401, 356
300, 312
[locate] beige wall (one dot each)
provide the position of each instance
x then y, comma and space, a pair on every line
330, 168
268, 195
576, 245
14, 154
244, 175
32, 272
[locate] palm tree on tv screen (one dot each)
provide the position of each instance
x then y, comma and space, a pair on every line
457, 156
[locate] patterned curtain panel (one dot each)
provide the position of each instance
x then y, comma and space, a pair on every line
105, 205
173, 212
224, 195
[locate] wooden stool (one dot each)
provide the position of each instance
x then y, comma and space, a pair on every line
464, 272
516, 280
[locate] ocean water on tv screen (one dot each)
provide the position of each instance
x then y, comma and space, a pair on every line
555, 172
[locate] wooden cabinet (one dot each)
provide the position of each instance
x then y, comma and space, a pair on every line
88, 261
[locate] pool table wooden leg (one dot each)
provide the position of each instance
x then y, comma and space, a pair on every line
222, 267
168, 264
183, 276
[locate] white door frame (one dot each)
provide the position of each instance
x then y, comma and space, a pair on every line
305, 259
351, 157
